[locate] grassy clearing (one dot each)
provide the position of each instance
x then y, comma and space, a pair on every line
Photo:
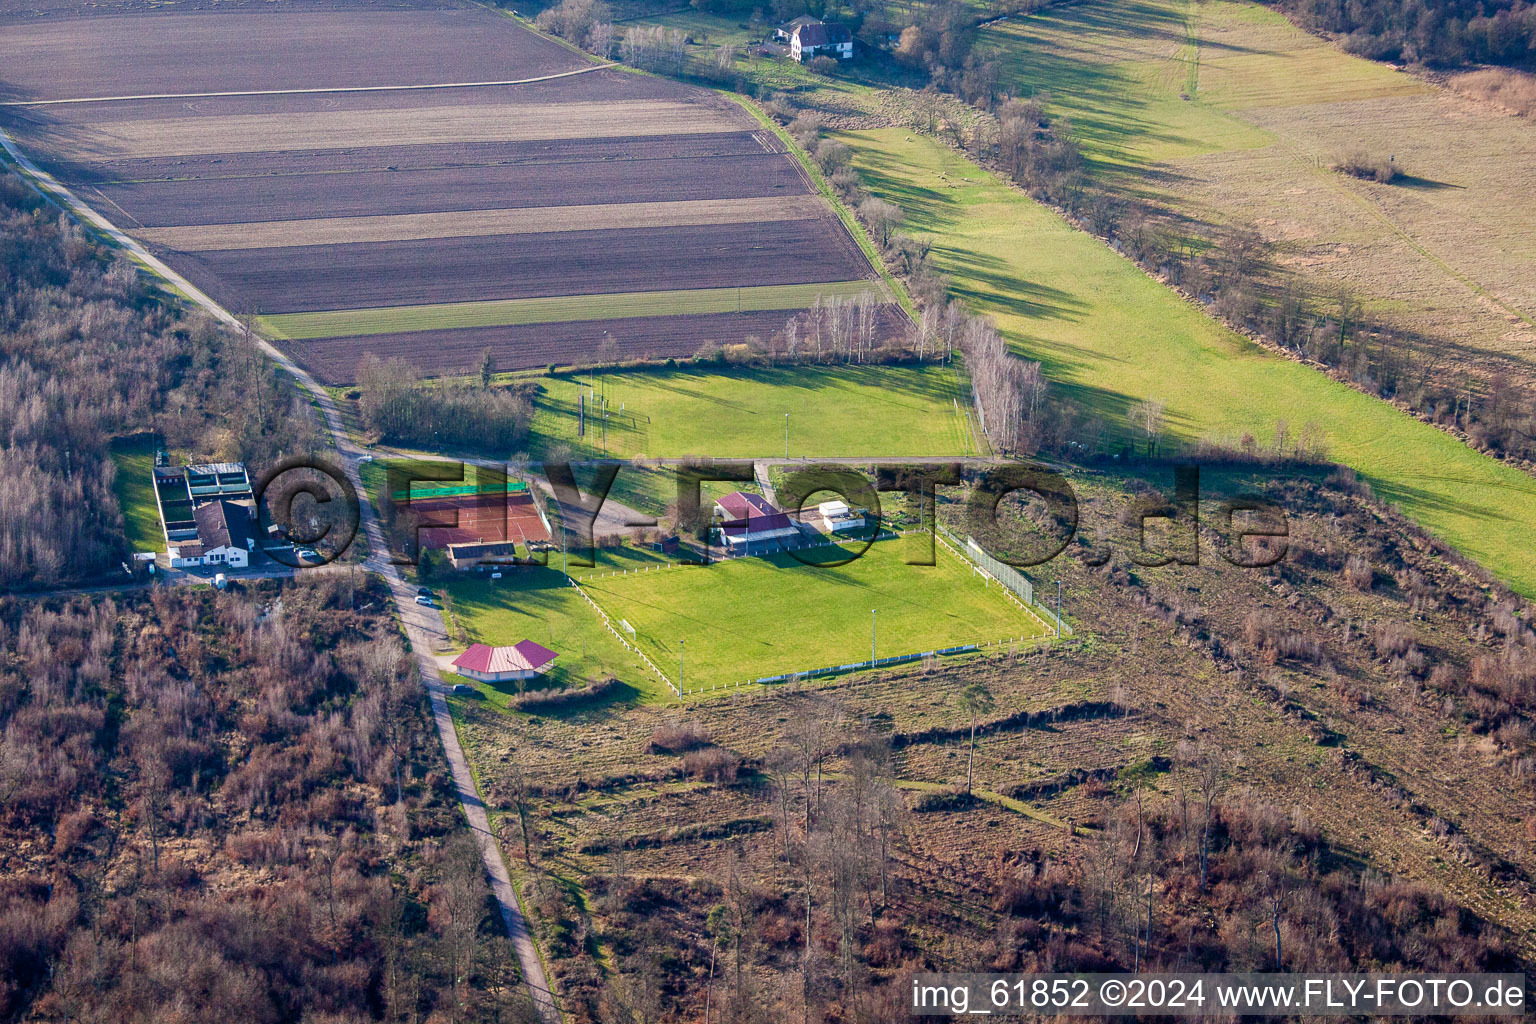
555, 309
1148, 82
134, 458
540, 605
754, 617
876, 411
1227, 114
1108, 336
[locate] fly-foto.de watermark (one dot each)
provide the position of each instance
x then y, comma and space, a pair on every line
423, 499
1223, 995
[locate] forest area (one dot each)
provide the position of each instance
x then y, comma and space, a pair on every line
89, 351
233, 806
1442, 33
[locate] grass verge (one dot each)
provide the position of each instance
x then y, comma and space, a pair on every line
134, 458
553, 309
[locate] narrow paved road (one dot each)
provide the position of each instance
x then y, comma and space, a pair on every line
423, 625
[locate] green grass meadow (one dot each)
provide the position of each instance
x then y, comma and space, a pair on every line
844, 410
134, 458
1146, 83
753, 617
1108, 335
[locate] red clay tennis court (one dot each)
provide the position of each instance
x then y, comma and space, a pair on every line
473, 514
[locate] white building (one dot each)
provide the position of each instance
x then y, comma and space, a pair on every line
837, 517
223, 537
819, 39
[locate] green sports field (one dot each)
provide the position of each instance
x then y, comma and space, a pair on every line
875, 411
134, 458
1109, 335
753, 617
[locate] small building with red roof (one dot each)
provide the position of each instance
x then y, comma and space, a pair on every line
523, 660
749, 522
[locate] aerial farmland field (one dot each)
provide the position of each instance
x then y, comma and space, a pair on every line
421, 180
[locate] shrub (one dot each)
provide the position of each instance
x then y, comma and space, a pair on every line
558, 700
396, 406
712, 764
1359, 574
678, 738
1360, 164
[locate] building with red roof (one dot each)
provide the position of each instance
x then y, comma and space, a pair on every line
750, 522
523, 660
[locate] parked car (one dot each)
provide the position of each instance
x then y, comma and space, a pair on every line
309, 554
424, 592
465, 690
364, 458
424, 599
496, 575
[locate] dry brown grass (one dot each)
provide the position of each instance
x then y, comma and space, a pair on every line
459, 224
1514, 91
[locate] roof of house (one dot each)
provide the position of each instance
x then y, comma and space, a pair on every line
739, 505
483, 549
222, 524
788, 28
819, 33
523, 656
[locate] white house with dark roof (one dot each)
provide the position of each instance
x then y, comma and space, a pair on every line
820, 39
223, 537
205, 513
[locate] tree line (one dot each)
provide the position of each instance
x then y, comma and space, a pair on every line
1440, 32
400, 408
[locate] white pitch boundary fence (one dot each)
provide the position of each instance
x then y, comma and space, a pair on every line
941, 534
620, 637
1004, 575
662, 567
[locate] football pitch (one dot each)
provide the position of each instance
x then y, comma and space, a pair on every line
750, 618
